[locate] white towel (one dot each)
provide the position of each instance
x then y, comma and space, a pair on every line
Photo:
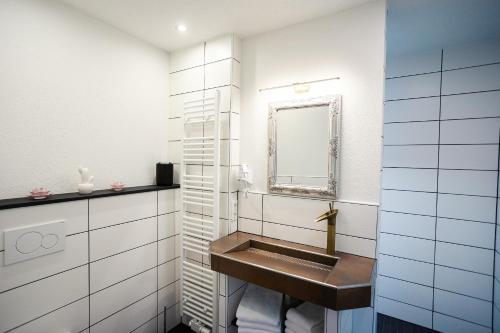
260, 305
306, 315
294, 328
251, 330
242, 324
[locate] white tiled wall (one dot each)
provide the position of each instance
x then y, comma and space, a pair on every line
439, 189
196, 72
111, 276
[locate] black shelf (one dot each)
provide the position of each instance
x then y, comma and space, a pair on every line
73, 196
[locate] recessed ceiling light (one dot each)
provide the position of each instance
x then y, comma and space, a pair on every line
181, 28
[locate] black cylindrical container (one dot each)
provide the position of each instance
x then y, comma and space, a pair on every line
164, 174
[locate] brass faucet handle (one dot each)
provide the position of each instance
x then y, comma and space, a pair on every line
329, 214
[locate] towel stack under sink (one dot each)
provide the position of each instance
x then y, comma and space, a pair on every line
259, 311
306, 318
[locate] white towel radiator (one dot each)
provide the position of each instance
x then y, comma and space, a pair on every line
200, 193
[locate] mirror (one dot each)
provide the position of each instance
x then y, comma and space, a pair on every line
304, 146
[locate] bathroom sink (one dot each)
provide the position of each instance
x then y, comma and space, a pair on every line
338, 282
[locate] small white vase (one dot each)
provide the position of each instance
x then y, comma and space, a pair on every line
85, 188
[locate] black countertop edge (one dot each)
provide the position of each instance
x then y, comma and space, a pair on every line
64, 197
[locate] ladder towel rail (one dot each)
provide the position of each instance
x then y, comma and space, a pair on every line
199, 292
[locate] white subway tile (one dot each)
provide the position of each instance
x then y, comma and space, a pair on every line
173, 319
411, 133
355, 245
174, 152
112, 240
419, 109
404, 312
236, 73
447, 324
177, 103
166, 200
466, 207
471, 79
410, 156
474, 105
21, 305
148, 327
222, 310
250, 226
75, 254
362, 320
218, 74
71, 318
166, 250
233, 284
407, 247
108, 211
466, 232
294, 234
186, 58
166, 297
74, 212
463, 282
479, 157
233, 301
166, 273
404, 269
175, 129
235, 99
409, 202
470, 309
105, 272
177, 200
129, 318
481, 53
294, 211
185, 81
470, 131
121, 295
410, 179
225, 97
357, 220
219, 48
251, 206
468, 182
425, 85
406, 292
414, 63
166, 225
464, 257
408, 224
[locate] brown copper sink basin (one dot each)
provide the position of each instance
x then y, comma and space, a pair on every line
338, 282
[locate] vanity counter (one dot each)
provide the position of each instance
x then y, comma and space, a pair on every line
337, 282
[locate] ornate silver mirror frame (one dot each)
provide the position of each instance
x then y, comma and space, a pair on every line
334, 108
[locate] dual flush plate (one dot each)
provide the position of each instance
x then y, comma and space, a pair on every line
33, 241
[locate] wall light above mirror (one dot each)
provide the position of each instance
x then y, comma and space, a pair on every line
304, 146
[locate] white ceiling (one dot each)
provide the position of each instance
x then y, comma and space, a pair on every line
155, 20
429, 24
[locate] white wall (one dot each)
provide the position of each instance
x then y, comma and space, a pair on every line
349, 44
440, 188
118, 271
75, 91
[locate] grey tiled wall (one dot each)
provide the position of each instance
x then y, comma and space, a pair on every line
439, 201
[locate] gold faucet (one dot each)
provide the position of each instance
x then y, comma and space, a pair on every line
331, 216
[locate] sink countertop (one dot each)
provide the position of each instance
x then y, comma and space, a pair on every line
345, 285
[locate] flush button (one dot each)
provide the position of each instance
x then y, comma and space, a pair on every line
33, 241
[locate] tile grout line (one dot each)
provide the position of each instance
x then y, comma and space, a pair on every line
88, 252
495, 255
437, 190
